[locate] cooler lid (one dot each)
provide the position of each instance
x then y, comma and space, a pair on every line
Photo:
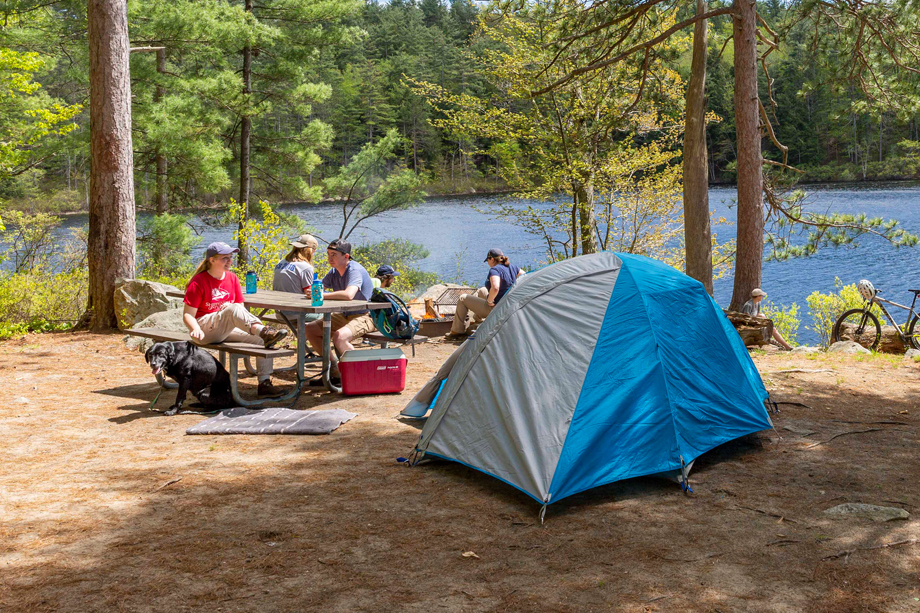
371, 355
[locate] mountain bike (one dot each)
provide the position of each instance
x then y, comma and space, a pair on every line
862, 326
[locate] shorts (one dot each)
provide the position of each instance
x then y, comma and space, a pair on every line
358, 324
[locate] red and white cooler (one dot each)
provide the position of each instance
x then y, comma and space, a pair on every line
373, 371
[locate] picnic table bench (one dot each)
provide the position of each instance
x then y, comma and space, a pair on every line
227, 351
378, 338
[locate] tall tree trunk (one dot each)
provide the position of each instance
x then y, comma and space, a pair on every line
586, 217
245, 136
161, 195
749, 254
697, 232
110, 248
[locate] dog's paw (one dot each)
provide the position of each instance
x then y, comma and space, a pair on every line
173, 410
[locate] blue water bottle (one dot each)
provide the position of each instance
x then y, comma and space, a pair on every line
316, 291
252, 283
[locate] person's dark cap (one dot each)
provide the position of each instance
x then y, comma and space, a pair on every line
494, 253
342, 246
387, 271
219, 248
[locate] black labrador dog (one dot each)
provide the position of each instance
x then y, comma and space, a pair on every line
195, 370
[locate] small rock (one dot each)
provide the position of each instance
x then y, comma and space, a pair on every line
912, 353
848, 347
806, 349
869, 511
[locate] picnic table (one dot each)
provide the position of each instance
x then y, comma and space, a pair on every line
265, 299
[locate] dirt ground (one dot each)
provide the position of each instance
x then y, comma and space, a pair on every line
106, 505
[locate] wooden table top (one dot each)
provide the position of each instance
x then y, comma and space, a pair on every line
287, 301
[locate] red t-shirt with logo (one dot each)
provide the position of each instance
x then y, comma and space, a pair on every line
207, 294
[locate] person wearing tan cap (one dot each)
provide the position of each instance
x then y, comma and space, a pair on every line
752, 308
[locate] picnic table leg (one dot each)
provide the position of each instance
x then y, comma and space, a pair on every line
327, 354
301, 347
287, 400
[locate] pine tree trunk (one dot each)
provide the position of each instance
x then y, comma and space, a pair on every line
110, 247
749, 255
245, 137
161, 195
697, 233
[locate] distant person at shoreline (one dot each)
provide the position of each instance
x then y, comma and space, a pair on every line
752, 308
501, 278
384, 277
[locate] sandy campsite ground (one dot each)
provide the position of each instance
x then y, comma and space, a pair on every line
108, 506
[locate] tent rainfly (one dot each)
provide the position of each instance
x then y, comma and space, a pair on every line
592, 370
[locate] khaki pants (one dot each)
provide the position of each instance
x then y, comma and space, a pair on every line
230, 324
477, 303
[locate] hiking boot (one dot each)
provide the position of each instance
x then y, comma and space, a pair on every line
272, 336
270, 390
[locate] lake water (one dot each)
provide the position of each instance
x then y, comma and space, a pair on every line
454, 232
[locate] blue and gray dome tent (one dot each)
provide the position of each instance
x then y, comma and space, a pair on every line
591, 370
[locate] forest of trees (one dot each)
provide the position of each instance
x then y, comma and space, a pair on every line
329, 77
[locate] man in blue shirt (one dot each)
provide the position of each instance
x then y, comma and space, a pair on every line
348, 280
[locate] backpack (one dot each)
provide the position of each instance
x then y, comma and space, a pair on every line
395, 322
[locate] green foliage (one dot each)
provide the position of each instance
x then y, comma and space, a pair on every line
785, 320
28, 116
401, 255
29, 240
792, 220
826, 308
370, 185
41, 301
266, 235
165, 244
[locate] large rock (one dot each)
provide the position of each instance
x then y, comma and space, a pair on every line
164, 320
847, 347
136, 300
806, 349
868, 511
912, 354
889, 343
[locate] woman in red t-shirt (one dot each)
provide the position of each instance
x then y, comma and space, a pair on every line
214, 311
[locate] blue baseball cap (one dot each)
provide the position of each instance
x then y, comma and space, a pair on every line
387, 271
219, 248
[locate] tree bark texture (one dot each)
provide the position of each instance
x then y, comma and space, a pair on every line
587, 218
749, 254
111, 193
697, 232
245, 138
161, 195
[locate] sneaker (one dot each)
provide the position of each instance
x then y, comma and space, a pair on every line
270, 390
272, 336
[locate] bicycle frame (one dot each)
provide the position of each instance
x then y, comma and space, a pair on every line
911, 314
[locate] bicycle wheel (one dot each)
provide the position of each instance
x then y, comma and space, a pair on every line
913, 332
860, 326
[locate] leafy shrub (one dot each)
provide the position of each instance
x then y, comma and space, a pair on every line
785, 320
401, 255
826, 308
41, 301
267, 237
165, 244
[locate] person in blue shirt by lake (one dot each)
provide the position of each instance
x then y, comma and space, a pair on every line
501, 278
348, 280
